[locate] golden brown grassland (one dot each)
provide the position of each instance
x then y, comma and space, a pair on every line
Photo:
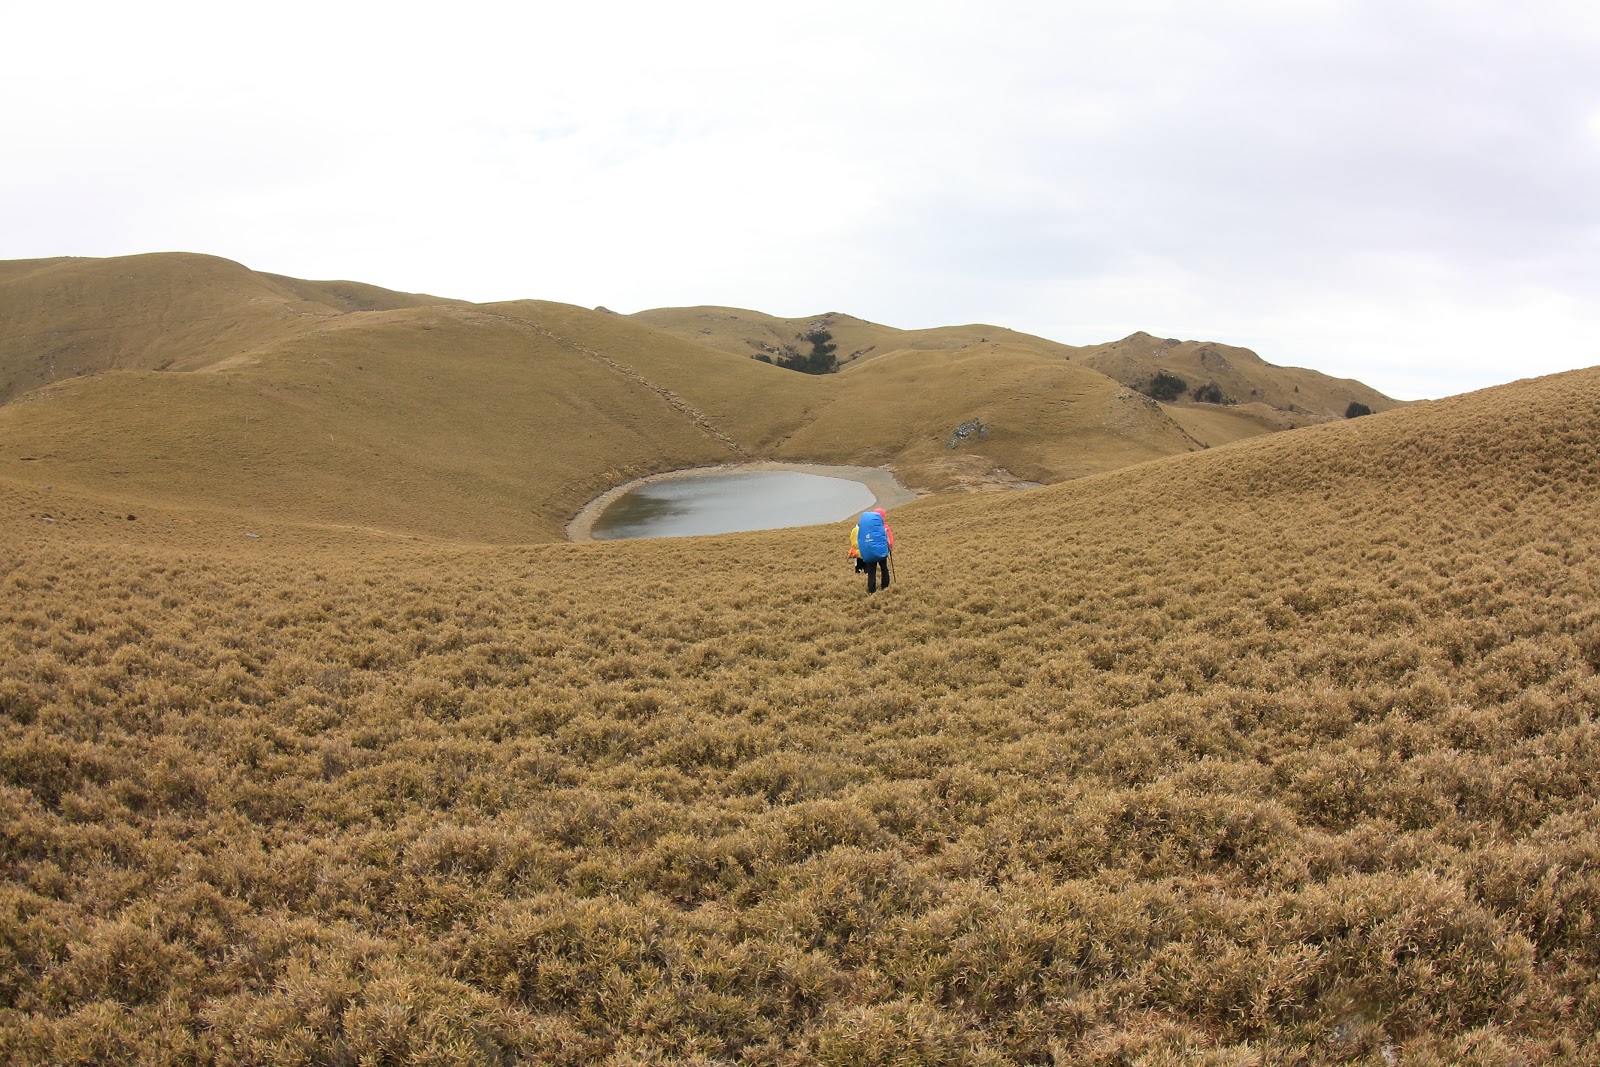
168, 379
1278, 753
1241, 375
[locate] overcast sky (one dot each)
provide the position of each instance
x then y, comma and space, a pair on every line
1401, 191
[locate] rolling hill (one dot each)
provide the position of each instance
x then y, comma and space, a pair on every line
179, 378
1287, 396
63, 318
1238, 375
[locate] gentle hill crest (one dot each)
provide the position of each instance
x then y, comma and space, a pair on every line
1297, 396
64, 318
341, 403
1237, 375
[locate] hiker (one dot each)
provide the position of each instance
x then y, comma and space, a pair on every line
871, 544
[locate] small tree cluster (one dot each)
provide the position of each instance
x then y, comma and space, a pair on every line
1164, 387
821, 358
1356, 410
1210, 393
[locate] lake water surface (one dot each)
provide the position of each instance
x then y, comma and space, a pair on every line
715, 503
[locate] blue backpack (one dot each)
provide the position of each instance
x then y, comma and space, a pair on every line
872, 540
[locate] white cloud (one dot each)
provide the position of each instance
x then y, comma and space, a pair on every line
1399, 191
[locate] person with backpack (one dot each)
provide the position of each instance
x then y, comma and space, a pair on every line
871, 544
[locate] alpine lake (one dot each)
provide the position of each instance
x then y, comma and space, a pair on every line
693, 504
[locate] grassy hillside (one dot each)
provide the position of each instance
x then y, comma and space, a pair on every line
751, 333
1046, 420
438, 422
1238, 375
1220, 424
61, 318
1277, 753
1272, 397
339, 404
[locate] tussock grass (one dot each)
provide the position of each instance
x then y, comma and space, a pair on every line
1279, 753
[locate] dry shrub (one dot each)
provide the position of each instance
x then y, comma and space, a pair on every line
903, 1032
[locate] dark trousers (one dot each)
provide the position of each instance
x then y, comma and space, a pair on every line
873, 569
